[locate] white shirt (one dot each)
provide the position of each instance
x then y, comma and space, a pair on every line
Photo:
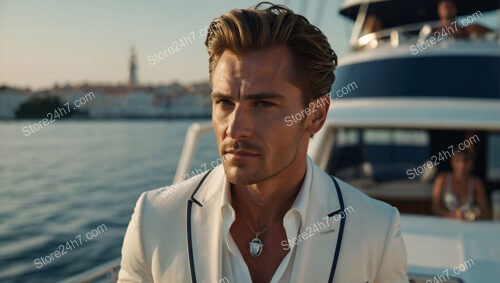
233, 265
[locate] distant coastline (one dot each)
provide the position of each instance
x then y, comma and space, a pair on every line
173, 101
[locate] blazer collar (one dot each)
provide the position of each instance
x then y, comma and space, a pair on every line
322, 195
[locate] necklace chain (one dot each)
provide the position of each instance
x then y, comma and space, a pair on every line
257, 234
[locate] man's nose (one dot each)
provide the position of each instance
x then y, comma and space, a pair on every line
240, 123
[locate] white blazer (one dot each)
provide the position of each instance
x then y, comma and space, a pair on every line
175, 236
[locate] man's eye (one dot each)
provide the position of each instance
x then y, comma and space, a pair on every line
263, 104
224, 102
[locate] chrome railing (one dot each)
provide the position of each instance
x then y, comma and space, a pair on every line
106, 272
411, 33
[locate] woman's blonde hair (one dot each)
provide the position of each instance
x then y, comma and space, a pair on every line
244, 30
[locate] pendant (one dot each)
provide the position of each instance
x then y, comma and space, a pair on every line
256, 246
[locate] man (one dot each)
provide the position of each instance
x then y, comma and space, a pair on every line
268, 214
447, 12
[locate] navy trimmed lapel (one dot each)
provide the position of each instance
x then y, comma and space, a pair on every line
317, 254
203, 235
341, 230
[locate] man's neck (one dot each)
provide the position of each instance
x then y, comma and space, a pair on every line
266, 203
446, 22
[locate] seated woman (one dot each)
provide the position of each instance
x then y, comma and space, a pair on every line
458, 194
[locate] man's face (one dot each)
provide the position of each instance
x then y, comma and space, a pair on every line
447, 10
251, 95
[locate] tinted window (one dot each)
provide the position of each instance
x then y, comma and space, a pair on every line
493, 163
378, 154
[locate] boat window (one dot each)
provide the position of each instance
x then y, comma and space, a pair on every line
493, 161
388, 155
377, 154
424, 278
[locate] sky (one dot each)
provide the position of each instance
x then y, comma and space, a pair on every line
49, 42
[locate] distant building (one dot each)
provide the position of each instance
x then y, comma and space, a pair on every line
10, 100
123, 101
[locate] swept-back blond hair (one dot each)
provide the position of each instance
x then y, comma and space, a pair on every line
244, 30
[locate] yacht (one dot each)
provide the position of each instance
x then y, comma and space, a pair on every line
402, 100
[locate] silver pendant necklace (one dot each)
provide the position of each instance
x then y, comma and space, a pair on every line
256, 245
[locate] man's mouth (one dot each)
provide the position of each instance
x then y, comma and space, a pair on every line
240, 154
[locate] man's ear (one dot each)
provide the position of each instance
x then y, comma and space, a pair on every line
319, 110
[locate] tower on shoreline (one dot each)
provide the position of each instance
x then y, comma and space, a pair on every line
132, 77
